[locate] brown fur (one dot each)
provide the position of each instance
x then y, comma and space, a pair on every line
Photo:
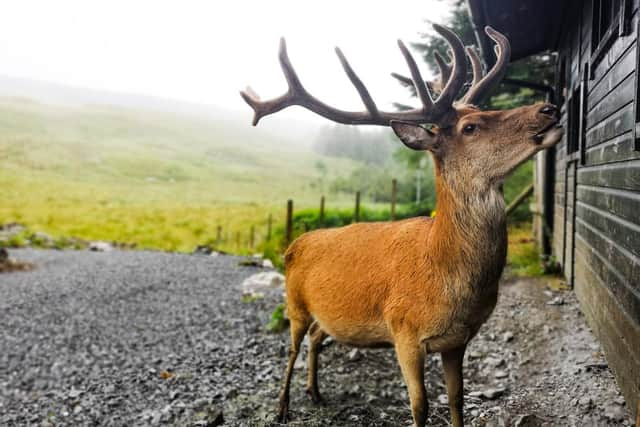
422, 284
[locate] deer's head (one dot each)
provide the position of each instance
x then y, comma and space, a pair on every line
472, 148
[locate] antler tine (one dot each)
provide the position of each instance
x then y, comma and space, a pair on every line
264, 108
459, 68
418, 82
407, 81
503, 51
445, 69
367, 100
476, 65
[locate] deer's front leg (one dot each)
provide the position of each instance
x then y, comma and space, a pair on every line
410, 353
452, 365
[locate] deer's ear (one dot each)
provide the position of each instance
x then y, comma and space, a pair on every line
415, 136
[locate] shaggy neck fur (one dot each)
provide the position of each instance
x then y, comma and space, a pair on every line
468, 240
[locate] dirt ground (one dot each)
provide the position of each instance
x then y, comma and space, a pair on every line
534, 363
148, 338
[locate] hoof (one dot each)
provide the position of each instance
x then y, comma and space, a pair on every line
315, 397
283, 413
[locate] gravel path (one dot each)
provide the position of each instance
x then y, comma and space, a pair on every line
143, 338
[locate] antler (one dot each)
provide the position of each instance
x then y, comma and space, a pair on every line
431, 112
482, 85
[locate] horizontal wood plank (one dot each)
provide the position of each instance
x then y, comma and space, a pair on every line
616, 124
624, 233
621, 203
618, 149
622, 175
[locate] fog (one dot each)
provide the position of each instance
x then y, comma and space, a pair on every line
203, 52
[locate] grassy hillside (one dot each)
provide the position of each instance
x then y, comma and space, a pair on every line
153, 178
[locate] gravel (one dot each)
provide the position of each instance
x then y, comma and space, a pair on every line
146, 338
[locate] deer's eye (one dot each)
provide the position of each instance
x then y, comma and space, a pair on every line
469, 129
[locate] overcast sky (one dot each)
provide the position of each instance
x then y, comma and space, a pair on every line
205, 51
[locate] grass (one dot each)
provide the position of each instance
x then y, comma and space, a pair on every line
168, 182
523, 257
154, 179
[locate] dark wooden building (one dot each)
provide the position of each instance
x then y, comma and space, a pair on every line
588, 188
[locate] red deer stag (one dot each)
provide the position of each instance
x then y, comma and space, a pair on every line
420, 285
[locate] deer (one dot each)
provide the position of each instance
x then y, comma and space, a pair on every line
421, 285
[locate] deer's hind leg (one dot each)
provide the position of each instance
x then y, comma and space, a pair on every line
299, 327
316, 336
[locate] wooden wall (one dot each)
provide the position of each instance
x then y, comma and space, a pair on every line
597, 193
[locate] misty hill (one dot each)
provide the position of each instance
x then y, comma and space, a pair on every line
303, 132
159, 179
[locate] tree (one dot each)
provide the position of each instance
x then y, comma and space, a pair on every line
536, 68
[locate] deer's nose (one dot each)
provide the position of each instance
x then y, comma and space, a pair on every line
549, 110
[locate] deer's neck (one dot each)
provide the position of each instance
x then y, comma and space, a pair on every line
469, 236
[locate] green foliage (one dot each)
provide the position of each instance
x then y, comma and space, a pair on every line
309, 219
16, 241
278, 322
526, 262
535, 68
513, 186
248, 299
158, 180
523, 257
271, 251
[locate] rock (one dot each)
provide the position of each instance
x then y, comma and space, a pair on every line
202, 250
74, 393
500, 374
586, 402
4, 255
443, 399
41, 239
475, 354
615, 413
507, 336
494, 361
251, 262
556, 301
528, 420
265, 280
11, 229
266, 263
490, 393
354, 355
620, 400
100, 246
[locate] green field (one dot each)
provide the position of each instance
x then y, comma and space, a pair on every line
156, 179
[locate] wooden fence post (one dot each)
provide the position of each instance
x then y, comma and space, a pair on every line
269, 225
219, 235
356, 214
252, 237
321, 220
519, 199
289, 224
394, 193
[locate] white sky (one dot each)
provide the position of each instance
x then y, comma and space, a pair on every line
205, 51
